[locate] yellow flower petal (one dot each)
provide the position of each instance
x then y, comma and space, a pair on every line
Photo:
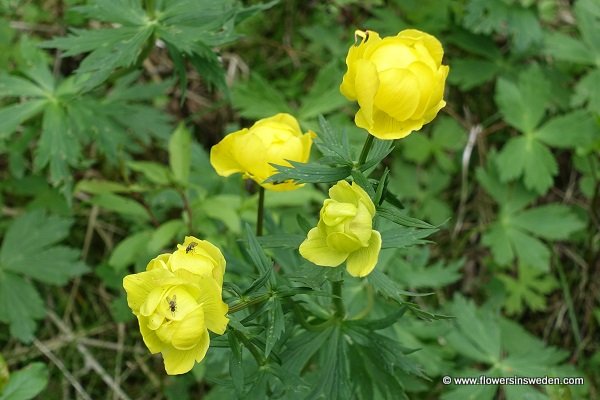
399, 93
222, 157
316, 250
159, 262
361, 262
342, 192
361, 225
364, 198
367, 86
215, 310
188, 331
181, 361
343, 242
151, 340
335, 213
138, 286
387, 128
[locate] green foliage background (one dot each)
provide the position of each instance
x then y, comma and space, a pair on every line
108, 109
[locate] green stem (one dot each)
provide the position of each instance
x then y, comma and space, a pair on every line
247, 303
150, 8
338, 301
365, 150
261, 211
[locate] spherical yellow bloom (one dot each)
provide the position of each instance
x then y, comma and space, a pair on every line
398, 82
345, 232
271, 140
177, 300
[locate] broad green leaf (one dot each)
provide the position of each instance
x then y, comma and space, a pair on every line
550, 221
13, 86
587, 91
468, 73
528, 290
15, 114
511, 159
30, 233
55, 265
154, 172
498, 240
416, 148
126, 12
20, 306
529, 250
130, 249
567, 48
523, 104
588, 22
576, 129
322, 98
163, 235
180, 153
58, 145
97, 186
257, 98
26, 383
477, 335
540, 167
301, 348
4, 374
121, 205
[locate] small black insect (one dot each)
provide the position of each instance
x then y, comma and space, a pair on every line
172, 304
190, 247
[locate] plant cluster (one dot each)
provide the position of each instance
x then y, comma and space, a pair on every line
284, 206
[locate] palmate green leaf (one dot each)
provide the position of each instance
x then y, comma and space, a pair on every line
333, 144
470, 72
566, 48
477, 335
26, 383
57, 146
322, 97
528, 290
397, 216
333, 380
15, 114
309, 173
523, 104
507, 242
576, 129
126, 12
588, 22
525, 156
20, 306
257, 98
587, 91
14, 86
402, 237
550, 221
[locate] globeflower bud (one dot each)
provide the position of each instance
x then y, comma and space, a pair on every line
398, 82
272, 140
177, 300
344, 232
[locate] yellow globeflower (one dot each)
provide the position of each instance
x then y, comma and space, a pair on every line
272, 140
177, 300
398, 82
345, 232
